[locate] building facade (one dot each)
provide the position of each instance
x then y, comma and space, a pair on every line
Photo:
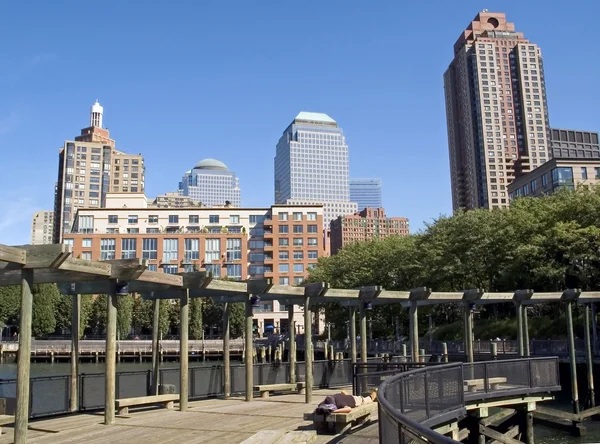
175, 200
281, 242
42, 226
211, 183
556, 174
366, 193
369, 224
311, 166
574, 144
89, 167
496, 110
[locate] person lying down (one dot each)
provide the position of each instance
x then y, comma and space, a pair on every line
344, 403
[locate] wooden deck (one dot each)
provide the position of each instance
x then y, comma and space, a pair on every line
215, 420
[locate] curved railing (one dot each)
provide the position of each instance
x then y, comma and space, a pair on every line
411, 404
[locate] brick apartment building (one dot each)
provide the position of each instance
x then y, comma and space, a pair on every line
368, 224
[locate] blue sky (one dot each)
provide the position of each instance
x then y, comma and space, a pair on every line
185, 80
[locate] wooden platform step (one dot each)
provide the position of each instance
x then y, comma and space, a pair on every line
282, 437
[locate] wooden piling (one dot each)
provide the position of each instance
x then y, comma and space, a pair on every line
589, 359
23, 357
184, 354
226, 356
308, 351
155, 347
494, 350
572, 362
526, 348
444, 352
111, 361
353, 334
75, 324
520, 338
362, 315
413, 320
249, 363
468, 331
292, 339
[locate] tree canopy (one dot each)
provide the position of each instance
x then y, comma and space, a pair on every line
545, 244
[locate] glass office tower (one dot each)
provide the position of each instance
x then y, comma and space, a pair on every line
211, 183
366, 193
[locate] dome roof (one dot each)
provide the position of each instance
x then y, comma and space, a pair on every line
210, 164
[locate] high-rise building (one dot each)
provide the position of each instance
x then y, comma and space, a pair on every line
574, 144
212, 184
369, 224
366, 193
175, 200
89, 167
42, 227
496, 111
311, 166
281, 242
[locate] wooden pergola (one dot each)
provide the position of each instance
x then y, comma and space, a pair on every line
27, 265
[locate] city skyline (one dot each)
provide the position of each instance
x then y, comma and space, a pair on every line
235, 117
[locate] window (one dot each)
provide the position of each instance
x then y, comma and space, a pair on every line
545, 179
170, 269
311, 216
597, 169
152, 230
284, 242
86, 224
213, 270
254, 244
284, 268
212, 249
256, 269
194, 219
298, 255
256, 219
113, 219
311, 266
298, 229
282, 216
173, 219
86, 243
149, 248
132, 219
533, 185
234, 249
312, 229
153, 219
298, 268
284, 255
107, 249
298, 242
313, 241
313, 254
284, 229
584, 175
562, 176
133, 230
69, 242
170, 250
192, 250
152, 267
284, 280
234, 271
128, 247
87, 255
213, 219
298, 280
297, 216
234, 219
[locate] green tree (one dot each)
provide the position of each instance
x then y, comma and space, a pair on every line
43, 321
196, 325
10, 303
124, 316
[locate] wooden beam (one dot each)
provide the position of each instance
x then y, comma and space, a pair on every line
284, 290
127, 269
86, 267
45, 256
194, 279
47, 276
227, 286
155, 277
12, 255
490, 433
498, 418
315, 289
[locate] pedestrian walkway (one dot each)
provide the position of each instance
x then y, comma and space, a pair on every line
214, 420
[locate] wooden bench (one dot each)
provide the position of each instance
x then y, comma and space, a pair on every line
341, 422
266, 388
122, 405
473, 384
5, 420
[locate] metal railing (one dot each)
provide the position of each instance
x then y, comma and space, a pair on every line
369, 376
414, 402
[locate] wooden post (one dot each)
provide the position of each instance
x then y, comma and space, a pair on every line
292, 350
24, 357
362, 318
249, 363
111, 358
520, 338
572, 359
494, 350
184, 353
413, 320
155, 351
226, 360
589, 359
594, 330
444, 352
308, 356
525, 332
75, 311
353, 334
468, 332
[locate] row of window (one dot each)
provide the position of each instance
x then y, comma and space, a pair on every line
285, 242
298, 229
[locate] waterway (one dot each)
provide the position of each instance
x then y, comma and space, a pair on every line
543, 435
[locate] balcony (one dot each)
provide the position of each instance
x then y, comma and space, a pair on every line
268, 247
